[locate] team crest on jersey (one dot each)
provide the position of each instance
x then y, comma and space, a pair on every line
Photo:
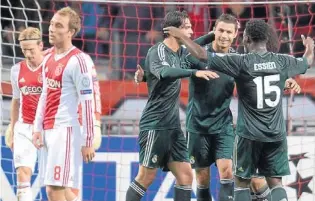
58, 69
40, 78
154, 158
192, 160
85, 82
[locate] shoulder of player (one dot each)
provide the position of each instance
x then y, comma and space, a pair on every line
82, 59
16, 67
158, 49
48, 51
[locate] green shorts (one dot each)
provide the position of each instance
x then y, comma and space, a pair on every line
253, 158
205, 149
160, 147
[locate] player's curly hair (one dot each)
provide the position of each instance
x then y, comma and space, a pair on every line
273, 40
257, 30
174, 19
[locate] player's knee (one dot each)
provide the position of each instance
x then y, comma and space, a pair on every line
55, 193
274, 182
241, 182
146, 176
257, 183
185, 178
203, 176
226, 172
225, 168
23, 174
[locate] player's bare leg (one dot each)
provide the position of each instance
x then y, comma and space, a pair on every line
260, 189
141, 183
242, 189
226, 179
24, 191
56, 193
184, 177
72, 194
203, 180
278, 193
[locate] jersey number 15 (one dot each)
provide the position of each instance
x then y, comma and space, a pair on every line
264, 86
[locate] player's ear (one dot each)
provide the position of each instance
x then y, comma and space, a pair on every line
236, 33
41, 45
72, 32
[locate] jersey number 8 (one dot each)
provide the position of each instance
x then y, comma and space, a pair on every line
264, 86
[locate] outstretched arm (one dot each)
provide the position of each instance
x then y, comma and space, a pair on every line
309, 49
195, 49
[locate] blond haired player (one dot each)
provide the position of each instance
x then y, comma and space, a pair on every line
26, 81
67, 81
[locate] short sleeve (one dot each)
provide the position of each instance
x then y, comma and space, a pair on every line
14, 81
294, 66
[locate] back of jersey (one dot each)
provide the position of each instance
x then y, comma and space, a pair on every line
260, 86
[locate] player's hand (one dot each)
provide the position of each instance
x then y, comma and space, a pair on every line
308, 42
9, 137
139, 74
173, 31
206, 74
97, 141
88, 153
293, 85
37, 140
211, 35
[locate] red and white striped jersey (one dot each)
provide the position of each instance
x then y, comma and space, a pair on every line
27, 86
96, 89
67, 82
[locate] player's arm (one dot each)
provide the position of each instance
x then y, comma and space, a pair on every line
205, 39
229, 64
39, 117
15, 104
296, 66
162, 70
98, 110
195, 49
191, 62
309, 50
81, 73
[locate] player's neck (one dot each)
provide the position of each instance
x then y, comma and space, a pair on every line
171, 43
34, 65
219, 49
62, 48
258, 48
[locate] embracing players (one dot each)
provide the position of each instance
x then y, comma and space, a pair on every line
210, 134
260, 79
162, 142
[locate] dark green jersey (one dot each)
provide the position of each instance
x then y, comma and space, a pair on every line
260, 80
163, 68
208, 109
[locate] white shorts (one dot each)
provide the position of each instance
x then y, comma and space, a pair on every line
61, 158
24, 152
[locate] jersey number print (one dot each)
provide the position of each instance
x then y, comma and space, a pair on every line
264, 87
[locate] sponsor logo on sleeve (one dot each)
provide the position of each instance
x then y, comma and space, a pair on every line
86, 91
